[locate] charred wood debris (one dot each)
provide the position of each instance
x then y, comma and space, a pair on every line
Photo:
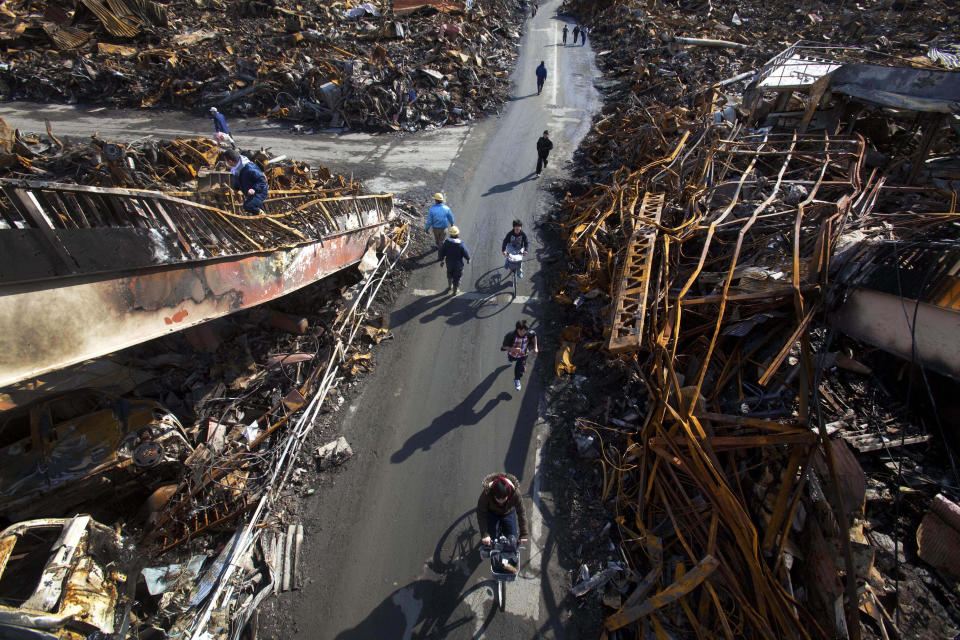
375, 66
750, 459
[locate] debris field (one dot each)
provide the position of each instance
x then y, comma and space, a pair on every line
762, 247
363, 66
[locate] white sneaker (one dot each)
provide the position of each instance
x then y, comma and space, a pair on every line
516, 384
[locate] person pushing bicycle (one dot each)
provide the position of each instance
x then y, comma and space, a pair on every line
500, 511
515, 244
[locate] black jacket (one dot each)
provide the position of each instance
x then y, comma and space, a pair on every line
544, 145
516, 241
454, 252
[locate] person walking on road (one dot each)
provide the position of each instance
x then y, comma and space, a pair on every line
576, 33
439, 217
583, 36
248, 180
518, 344
564, 35
453, 253
500, 511
515, 242
541, 76
533, 9
544, 145
222, 132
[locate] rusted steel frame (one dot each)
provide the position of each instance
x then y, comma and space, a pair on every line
679, 572
675, 591
191, 533
739, 522
784, 426
781, 504
594, 225
734, 199
729, 279
725, 443
788, 345
759, 617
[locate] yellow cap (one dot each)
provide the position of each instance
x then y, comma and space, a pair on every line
438, 197
454, 231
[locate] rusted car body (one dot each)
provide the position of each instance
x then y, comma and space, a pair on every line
63, 579
61, 452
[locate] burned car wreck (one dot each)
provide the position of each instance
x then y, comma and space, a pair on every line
63, 579
58, 453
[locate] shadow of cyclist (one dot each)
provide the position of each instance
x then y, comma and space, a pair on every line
463, 414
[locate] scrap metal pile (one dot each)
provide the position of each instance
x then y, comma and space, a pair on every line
150, 163
372, 66
761, 478
199, 489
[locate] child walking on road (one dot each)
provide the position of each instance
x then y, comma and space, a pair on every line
518, 344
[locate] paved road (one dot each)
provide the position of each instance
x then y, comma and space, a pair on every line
392, 543
399, 558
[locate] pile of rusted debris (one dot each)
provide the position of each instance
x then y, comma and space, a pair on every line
772, 275
202, 482
364, 66
167, 165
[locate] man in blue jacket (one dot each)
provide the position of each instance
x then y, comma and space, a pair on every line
453, 253
248, 180
220, 127
438, 219
541, 76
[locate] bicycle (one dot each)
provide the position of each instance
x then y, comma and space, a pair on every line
515, 266
500, 550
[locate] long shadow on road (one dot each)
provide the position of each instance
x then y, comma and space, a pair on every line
464, 414
435, 608
508, 186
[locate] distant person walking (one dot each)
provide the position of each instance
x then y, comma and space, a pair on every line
564, 35
453, 253
222, 132
439, 217
541, 76
544, 145
583, 36
576, 33
248, 180
533, 9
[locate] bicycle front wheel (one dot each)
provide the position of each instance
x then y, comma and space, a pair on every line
502, 594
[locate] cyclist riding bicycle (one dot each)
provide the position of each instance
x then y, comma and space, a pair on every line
500, 512
515, 244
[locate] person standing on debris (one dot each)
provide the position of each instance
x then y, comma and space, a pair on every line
500, 511
516, 243
544, 145
248, 180
439, 217
564, 35
220, 126
518, 344
453, 253
541, 76
576, 33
